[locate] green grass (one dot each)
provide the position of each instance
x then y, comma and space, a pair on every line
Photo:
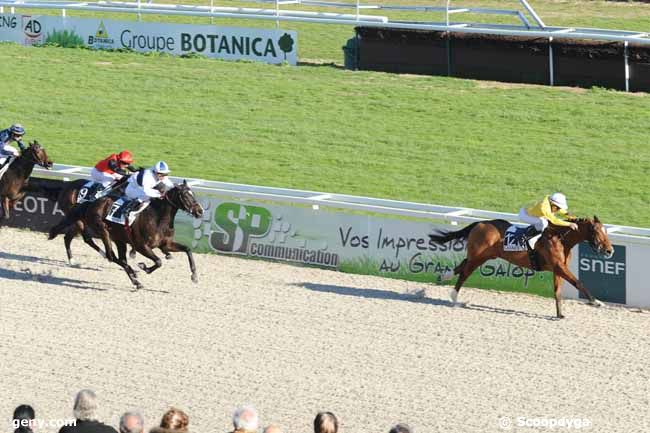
429, 139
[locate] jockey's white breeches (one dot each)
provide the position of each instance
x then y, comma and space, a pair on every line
540, 223
104, 178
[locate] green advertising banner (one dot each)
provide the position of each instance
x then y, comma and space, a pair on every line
350, 242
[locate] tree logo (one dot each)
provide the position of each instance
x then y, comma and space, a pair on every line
286, 44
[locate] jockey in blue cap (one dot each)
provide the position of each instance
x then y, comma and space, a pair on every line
13, 134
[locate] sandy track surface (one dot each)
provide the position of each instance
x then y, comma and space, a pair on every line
293, 341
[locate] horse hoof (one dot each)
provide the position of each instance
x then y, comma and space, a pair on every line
132, 254
138, 286
142, 266
597, 303
72, 262
169, 256
195, 278
453, 294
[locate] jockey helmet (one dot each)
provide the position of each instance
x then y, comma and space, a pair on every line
17, 129
559, 200
125, 157
161, 167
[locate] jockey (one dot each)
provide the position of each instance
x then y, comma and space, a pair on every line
147, 184
12, 134
113, 168
551, 209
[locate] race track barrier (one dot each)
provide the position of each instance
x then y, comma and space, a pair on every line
367, 236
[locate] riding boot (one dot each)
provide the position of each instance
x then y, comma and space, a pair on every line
131, 207
530, 233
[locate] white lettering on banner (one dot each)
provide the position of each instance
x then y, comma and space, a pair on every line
602, 266
31, 204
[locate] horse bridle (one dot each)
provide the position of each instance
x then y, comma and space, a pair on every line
180, 205
32, 155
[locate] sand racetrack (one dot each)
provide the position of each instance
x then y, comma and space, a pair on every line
293, 341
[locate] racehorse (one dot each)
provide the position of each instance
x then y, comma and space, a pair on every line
69, 195
15, 179
153, 228
553, 249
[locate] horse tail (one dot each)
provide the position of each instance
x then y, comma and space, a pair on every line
75, 214
445, 236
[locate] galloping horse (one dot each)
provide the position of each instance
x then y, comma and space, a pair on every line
14, 181
153, 228
485, 242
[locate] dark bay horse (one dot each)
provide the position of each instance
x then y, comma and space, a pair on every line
153, 228
485, 242
67, 197
15, 179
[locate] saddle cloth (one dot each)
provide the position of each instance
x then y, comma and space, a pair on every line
88, 192
514, 239
5, 162
116, 213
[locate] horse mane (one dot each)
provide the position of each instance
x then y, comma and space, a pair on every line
561, 230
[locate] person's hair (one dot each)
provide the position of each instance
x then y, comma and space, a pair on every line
245, 418
401, 428
85, 405
175, 419
272, 428
23, 412
123, 424
326, 422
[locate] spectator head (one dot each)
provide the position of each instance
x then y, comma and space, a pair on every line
326, 422
272, 429
85, 405
131, 422
23, 419
401, 428
245, 419
175, 419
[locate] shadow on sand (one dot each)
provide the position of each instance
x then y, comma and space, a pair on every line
394, 296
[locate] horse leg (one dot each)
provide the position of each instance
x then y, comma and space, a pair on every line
448, 275
121, 260
557, 284
67, 239
175, 246
465, 269
565, 273
88, 239
167, 252
146, 251
5, 207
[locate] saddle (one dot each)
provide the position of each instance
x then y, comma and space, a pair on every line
516, 239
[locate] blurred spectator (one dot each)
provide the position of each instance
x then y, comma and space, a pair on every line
401, 428
131, 422
174, 420
326, 422
245, 420
272, 429
85, 412
23, 419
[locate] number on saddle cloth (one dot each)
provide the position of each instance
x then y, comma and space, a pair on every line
89, 191
116, 212
514, 239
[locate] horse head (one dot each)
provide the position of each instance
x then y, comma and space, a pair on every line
596, 235
38, 155
182, 197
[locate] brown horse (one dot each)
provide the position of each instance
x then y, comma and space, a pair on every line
485, 242
15, 179
67, 197
153, 228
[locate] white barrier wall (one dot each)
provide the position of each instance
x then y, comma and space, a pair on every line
319, 228
228, 43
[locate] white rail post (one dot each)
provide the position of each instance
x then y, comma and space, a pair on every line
211, 11
550, 61
627, 69
139, 14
